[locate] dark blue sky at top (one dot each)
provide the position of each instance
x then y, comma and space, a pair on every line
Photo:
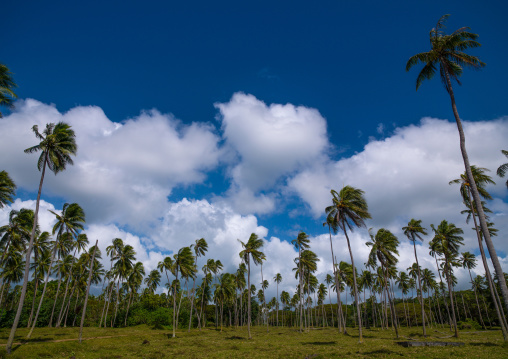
345, 58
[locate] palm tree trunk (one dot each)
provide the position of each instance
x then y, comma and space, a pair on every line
392, 306
27, 263
420, 287
174, 304
128, 306
477, 304
87, 291
36, 287
355, 286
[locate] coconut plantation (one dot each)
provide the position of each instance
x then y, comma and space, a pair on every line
135, 222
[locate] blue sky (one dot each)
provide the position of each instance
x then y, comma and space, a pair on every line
214, 74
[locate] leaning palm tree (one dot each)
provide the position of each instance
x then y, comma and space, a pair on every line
301, 243
447, 54
251, 249
184, 264
349, 208
384, 248
200, 248
56, 146
448, 240
7, 84
7, 188
413, 231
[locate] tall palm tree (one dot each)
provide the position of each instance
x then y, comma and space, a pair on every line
200, 248
468, 261
301, 243
153, 280
134, 282
413, 231
448, 240
7, 85
277, 279
57, 145
7, 187
447, 54
329, 280
251, 249
96, 254
384, 248
122, 267
184, 264
349, 208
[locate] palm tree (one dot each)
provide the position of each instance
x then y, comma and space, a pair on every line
153, 280
277, 279
468, 261
184, 264
134, 282
96, 253
56, 146
384, 248
122, 267
349, 208
413, 231
7, 186
301, 243
251, 249
447, 238
501, 170
200, 248
7, 85
447, 54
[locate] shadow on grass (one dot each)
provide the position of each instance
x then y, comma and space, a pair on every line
383, 351
484, 344
319, 343
234, 337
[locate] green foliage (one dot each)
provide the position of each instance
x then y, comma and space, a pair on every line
469, 324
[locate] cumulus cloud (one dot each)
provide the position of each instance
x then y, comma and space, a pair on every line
124, 172
270, 142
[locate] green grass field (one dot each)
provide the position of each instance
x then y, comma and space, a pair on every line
231, 343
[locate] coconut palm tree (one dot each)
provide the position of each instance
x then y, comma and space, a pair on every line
7, 85
122, 267
96, 254
349, 208
153, 280
183, 264
200, 248
7, 186
384, 248
301, 243
57, 146
414, 231
468, 260
251, 249
448, 240
501, 170
447, 54
134, 282
277, 279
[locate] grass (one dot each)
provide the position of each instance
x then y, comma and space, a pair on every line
143, 342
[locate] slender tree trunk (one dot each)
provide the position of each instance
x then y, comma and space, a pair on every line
174, 304
87, 291
27, 263
392, 306
447, 275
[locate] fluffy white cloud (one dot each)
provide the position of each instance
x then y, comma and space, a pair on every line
123, 172
271, 142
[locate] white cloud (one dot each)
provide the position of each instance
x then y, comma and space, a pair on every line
271, 142
123, 172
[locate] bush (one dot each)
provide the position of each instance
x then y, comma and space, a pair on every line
469, 324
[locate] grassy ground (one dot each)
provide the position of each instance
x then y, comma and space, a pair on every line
278, 343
